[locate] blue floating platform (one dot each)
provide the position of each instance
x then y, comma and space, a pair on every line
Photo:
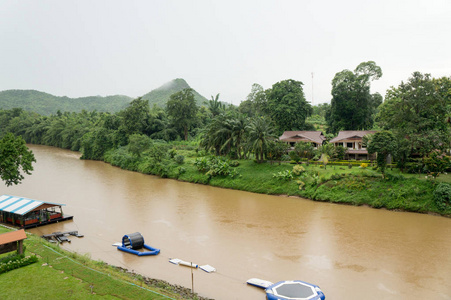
288, 290
294, 290
132, 243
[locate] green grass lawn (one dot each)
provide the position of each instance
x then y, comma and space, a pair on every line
59, 274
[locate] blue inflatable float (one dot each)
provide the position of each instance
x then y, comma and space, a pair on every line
131, 243
295, 289
289, 290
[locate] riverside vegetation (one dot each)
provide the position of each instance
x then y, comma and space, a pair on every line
354, 183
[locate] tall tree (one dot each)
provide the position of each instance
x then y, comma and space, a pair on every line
352, 105
135, 118
255, 103
15, 158
96, 142
417, 112
286, 105
182, 109
383, 143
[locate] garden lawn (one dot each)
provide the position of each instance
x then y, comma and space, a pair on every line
59, 274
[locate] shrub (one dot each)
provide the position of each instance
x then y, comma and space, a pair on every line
201, 164
162, 170
301, 184
394, 177
285, 157
363, 165
442, 195
181, 170
335, 177
283, 175
312, 180
172, 152
234, 163
214, 166
294, 156
298, 170
17, 262
179, 159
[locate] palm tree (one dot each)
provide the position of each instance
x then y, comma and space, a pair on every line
216, 134
215, 106
238, 123
260, 133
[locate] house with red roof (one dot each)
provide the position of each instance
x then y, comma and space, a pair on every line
292, 137
352, 140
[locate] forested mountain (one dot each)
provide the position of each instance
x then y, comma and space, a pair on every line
47, 104
160, 96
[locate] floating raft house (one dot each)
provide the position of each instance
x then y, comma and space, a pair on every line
29, 213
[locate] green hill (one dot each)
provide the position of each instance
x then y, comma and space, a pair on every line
47, 104
160, 96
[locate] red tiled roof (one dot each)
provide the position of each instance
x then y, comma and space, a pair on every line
12, 236
349, 134
306, 136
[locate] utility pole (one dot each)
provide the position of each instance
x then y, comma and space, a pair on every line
312, 88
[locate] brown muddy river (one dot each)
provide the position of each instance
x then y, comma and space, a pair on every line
350, 252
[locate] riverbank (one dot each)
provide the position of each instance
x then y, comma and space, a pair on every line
242, 234
65, 274
337, 184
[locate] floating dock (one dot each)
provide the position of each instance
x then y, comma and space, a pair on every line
61, 237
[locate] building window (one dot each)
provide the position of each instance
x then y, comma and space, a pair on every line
349, 145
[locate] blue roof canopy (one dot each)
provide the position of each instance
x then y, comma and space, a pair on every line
20, 205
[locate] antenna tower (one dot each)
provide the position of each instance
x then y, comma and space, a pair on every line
312, 88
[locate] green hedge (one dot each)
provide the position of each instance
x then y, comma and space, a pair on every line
17, 262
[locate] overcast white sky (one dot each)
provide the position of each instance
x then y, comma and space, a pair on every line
84, 48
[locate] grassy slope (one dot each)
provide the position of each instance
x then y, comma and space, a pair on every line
69, 275
336, 184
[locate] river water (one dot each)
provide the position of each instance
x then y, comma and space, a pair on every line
350, 252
